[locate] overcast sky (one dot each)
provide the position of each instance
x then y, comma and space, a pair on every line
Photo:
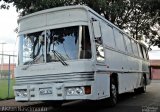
8, 23
155, 53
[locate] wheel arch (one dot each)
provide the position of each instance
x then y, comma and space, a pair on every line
114, 76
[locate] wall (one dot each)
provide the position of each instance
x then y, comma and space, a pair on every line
155, 69
4, 70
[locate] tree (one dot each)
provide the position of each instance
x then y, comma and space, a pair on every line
140, 17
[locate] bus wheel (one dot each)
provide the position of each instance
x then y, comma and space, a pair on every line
143, 88
113, 94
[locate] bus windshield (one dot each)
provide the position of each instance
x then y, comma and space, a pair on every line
54, 45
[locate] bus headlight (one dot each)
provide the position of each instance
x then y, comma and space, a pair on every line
75, 91
21, 93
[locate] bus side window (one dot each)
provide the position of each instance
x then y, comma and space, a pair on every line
147, 54
119, 40
137, 52
144, 53
128, 44
108, 36
140, 51
135, 48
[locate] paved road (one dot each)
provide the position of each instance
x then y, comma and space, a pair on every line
129, 102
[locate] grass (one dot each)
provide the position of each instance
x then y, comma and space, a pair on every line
4, 88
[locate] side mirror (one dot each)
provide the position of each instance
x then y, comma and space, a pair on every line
96, 29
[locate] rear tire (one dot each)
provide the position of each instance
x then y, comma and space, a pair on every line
143, 88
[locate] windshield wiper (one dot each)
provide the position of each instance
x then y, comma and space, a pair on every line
60, 57
32, 62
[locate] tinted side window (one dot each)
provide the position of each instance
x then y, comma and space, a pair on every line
147, 54
128, 44
140, 51
144, 53
135, 48
119, 40
108, 36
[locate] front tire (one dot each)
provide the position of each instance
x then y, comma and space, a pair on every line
112, 100
113, 94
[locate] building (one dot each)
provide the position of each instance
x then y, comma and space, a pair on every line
155, 69
4, 69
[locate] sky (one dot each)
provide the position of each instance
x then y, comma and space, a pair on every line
8, 23
154, 53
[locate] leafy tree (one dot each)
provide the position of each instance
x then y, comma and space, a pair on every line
140, 17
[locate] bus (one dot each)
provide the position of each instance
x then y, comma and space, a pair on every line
73, 53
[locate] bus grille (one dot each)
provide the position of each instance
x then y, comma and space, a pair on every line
55, 78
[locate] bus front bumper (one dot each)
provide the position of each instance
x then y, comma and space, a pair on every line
54, 91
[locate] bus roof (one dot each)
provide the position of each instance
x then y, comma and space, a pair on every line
77, 7
54, 10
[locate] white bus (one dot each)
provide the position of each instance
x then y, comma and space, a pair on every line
73, 53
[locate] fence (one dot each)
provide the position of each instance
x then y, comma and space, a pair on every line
7, 80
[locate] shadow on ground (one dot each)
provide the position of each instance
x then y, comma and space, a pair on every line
93, 106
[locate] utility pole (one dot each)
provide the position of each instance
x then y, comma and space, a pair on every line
2, 59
